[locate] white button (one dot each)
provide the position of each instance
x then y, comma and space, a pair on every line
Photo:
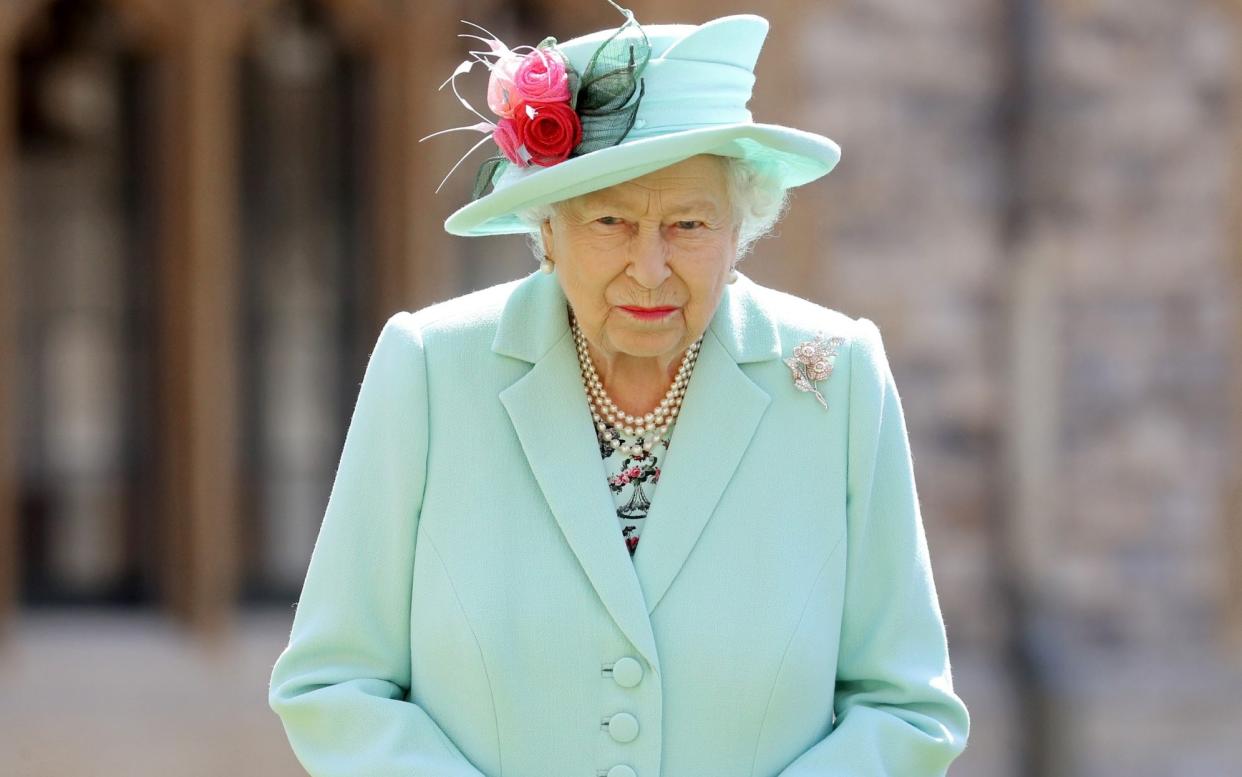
621, 770
627, 672
623, 727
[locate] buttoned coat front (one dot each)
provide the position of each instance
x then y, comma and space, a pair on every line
470, 607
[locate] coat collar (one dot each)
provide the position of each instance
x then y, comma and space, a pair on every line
552, 421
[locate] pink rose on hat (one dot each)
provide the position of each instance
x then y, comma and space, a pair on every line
541, 77
501, 91
506, 137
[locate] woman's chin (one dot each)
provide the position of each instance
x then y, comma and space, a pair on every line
648, 340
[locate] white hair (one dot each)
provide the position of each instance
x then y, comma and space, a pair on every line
755, 189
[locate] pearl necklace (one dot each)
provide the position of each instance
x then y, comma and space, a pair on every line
609, 418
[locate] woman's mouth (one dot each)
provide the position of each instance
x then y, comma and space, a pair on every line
648, 314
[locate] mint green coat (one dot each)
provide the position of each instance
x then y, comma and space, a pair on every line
471, 609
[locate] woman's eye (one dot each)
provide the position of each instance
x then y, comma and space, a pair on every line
611, 221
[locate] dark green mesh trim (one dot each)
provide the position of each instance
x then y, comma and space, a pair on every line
609, 83
489, 171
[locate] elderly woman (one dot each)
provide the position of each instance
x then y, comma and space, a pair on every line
632, 515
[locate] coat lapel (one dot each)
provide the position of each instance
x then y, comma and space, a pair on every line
720, 412
550, 415
557, 435
718, 417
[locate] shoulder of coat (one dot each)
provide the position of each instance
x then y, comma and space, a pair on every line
799, 319
472, 313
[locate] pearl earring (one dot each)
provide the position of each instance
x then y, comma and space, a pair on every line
546, 264
732, 275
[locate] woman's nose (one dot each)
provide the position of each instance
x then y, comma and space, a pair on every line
649, 259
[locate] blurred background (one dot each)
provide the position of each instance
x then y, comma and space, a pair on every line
209, 207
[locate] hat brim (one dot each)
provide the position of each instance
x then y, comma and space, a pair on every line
797, 156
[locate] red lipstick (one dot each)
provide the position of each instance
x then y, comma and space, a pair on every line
648, 314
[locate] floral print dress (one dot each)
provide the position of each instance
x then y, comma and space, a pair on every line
632, 480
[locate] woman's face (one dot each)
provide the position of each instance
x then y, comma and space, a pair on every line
664, 242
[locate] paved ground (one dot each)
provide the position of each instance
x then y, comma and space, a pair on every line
109, 695
105, 695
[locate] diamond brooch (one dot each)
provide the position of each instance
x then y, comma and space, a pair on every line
812, 362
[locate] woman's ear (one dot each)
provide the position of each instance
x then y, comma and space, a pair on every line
546, 229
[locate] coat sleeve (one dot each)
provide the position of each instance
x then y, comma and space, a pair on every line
340, 685
896, 712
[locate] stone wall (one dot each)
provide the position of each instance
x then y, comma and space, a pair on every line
1037, 203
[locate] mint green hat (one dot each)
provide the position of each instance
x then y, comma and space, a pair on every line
691, 99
